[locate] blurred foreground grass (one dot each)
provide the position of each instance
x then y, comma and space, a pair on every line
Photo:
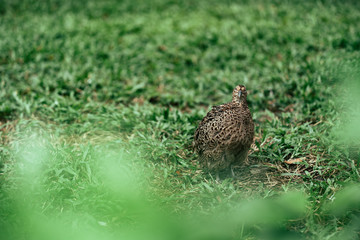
99, 102
55, 190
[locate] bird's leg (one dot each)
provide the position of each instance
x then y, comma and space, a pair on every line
246, 157
217, 176
232, 171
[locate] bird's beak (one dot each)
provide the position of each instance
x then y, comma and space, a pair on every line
239, 93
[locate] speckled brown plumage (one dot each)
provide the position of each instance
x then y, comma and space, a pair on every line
225, 134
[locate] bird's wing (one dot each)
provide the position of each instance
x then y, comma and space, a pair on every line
216, 111
211, 125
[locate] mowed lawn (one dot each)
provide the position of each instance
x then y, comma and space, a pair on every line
99, 101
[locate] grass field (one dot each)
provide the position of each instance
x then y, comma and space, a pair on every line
99, 101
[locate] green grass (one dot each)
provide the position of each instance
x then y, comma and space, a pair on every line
100, 100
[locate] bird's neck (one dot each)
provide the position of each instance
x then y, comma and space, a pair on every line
239, 101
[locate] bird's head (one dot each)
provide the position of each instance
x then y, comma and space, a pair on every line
239, 94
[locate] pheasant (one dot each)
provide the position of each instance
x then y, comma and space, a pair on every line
225, 134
